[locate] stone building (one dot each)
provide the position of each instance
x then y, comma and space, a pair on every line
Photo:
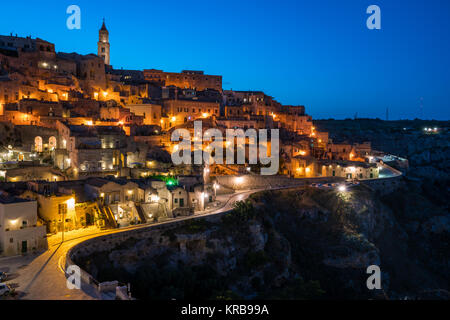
55, 206
120, 115
340, 151
250, 102
151, 112
30, 69
302, 167
349, 169
187, 79
20, 230
91, 149
245, 122
181, 111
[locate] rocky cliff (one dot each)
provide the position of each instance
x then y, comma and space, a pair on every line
298, 244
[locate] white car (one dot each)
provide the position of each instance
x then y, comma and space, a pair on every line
4, 289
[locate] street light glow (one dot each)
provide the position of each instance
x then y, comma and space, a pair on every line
342, 188
71, 203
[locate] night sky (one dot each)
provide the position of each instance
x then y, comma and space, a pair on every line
316, 53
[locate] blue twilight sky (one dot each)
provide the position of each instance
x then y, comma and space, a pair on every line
317, 53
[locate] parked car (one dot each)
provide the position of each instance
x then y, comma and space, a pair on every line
4, 289
3, 276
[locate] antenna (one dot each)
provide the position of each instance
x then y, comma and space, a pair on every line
421, 108
387, 114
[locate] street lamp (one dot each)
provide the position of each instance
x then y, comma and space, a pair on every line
342, 188
216, 186
202, 201
239, 180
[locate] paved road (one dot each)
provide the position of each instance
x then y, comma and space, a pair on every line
42, 277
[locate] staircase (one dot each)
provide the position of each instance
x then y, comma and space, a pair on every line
110, 221
141, 213
165, 210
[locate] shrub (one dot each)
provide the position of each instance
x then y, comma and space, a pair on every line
243, 211
196, 226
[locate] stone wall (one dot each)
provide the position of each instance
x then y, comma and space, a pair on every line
34, 173
29, 133
385, 185
249, 182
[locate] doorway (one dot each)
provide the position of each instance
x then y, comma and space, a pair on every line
24, 246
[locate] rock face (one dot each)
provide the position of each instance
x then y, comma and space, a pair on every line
300, 244
420, 207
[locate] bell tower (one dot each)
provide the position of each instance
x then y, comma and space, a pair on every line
103, 44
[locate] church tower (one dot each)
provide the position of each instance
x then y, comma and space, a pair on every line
103, 44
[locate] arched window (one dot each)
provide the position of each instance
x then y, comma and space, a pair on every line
38, 144
52, 143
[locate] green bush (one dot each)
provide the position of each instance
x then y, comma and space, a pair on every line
196, 226
243, 211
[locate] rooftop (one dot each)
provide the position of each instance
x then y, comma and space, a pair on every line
344, 163
8, 199
92, 131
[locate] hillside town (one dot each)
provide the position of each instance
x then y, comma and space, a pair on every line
83, 144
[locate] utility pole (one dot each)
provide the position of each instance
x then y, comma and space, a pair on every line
387, 114
63, 225
421, 109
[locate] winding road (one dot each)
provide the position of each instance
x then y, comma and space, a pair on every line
42, 276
